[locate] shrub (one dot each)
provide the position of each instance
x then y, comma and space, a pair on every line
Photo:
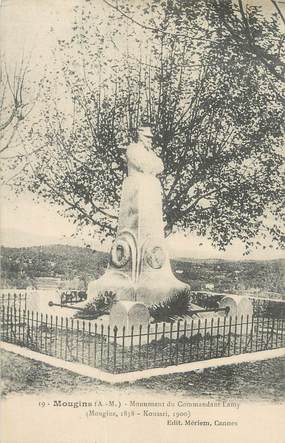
175, 306
101, 305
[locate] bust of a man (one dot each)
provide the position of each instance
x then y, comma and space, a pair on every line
140, 156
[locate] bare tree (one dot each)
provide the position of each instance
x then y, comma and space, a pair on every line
16, 104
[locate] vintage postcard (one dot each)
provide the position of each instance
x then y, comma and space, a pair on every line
142, 293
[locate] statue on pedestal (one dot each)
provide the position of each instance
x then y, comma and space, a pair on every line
139, 268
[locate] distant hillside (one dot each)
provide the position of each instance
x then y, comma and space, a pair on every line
19, 266
232, 276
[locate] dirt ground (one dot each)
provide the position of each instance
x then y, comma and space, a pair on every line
259, 381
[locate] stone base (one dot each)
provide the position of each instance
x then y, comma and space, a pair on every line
125, 314
152, 288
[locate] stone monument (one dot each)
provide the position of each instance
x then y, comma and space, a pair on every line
127, 314
139, 268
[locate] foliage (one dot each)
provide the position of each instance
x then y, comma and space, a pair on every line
168, 310
22, 266
208, 76
101, 305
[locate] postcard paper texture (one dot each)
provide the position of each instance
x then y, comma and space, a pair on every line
142, 269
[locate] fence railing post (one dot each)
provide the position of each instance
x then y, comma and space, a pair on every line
140, 344
262, 333
205, 338
41, 332
32, 329
252, 332
147, 345
241, 336
272, 336
123, 347
177, 343
108, 345
3, 323
224, 335
37, 330
191, 340
77, 340
218, 336
95, 345
66, 338
2, 326
184, 340
71, 338
229, 337
211, 336
132, 347
46, 332
170, 339
277, 332
28, 334
246, 334
89, 341
61, 336
51, 334
83, 341
23, 326
13, 322
56, 336
257, 331
102, 344
269, 332
115, 349
17, 326
198, 340
7, 323
155, 343
235, 333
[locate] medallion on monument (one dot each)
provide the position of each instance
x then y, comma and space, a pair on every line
120, 253
155, 257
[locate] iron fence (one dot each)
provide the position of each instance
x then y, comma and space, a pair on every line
139, 347
15, 299
267, 307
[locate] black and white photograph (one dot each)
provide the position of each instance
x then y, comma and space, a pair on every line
142, 289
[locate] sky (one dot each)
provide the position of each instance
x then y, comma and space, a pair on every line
26, 25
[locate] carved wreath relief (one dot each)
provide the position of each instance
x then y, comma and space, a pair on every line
120, 253
125, 249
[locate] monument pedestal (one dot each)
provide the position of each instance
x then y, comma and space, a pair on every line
139, 268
